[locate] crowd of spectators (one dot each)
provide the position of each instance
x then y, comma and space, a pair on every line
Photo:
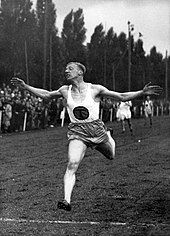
17, 106
20, 110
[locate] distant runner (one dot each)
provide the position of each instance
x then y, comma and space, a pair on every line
124, 113
148, 109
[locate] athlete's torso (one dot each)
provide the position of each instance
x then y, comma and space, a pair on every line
82, 108
125, 106
148, 105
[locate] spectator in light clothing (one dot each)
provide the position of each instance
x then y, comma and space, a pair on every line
148, 109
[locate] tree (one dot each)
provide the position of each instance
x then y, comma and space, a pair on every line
73, 35
139, 65
17, 23
110, 44
156, 66
46, 30
95, 55
121, 63
59, 62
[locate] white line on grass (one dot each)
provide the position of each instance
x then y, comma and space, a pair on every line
77, 222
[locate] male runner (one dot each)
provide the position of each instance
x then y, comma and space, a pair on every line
148, 109
85, 129
124, 113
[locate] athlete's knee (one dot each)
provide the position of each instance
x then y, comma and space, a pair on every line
111, 147
72, 166
112, 153
107, 149
111, 140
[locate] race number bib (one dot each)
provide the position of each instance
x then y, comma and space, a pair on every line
81, 113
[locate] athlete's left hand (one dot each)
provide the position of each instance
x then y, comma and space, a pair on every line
152, 90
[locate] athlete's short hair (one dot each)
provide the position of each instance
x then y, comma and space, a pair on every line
80, 65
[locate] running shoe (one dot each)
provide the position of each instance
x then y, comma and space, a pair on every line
64, 205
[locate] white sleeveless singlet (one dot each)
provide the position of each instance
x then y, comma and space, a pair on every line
85, 111
124, 111
148, 107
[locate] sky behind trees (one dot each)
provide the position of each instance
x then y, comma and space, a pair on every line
32, 49
150, 17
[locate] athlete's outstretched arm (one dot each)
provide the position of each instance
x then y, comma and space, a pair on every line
147, 90
45, 94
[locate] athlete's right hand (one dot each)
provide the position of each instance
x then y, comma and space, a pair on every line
18, 82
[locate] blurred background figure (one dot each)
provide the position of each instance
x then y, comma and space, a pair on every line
148, 110
106, 105
7, 115
18, 110
124, 113
53, 113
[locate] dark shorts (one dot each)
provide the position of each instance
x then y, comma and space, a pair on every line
91, 133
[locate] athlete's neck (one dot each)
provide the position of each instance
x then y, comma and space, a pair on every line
79, 85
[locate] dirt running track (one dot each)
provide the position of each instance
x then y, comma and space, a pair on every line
126, 197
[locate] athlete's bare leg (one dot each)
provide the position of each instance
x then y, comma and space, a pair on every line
146, 117
107, 148
150, 119
123, 126
130, 125
76, 151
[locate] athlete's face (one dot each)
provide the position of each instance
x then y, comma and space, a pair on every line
148, 98
72, 71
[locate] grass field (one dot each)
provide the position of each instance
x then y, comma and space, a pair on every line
128, 196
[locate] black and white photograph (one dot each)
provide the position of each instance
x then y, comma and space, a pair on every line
84, 117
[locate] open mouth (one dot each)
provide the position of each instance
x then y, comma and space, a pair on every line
67, 75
